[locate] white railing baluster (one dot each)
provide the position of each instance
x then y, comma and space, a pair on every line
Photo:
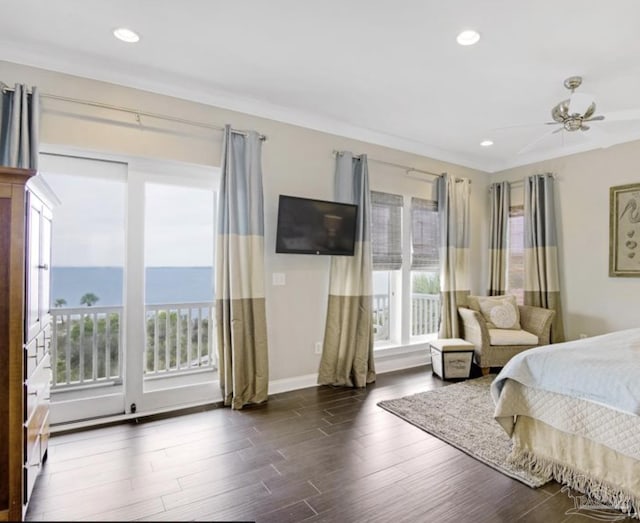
156, 342
199, 334
67, 358
167, 362
213, 346
81, 349
187, 319
178, 352
107, 348
94, 347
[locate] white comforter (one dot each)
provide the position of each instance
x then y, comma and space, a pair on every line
604, 369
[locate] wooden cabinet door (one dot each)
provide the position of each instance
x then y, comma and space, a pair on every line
38, 262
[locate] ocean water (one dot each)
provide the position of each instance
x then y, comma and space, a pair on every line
162, 285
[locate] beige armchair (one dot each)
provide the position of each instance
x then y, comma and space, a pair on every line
495, 347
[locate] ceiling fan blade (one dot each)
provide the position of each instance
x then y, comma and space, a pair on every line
593, 118
517, 126
535, 142
580, 102
597, 135
620, 116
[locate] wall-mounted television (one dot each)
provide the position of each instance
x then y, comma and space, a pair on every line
307, 226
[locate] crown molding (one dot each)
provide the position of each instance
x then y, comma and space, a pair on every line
77, 64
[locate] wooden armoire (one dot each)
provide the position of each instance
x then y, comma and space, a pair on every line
25, 365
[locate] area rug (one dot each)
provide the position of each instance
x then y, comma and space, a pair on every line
462, 415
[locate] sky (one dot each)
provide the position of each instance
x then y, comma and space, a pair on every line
89, 223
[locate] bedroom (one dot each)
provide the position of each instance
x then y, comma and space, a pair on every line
298, 160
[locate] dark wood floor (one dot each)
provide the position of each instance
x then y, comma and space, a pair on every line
318, 454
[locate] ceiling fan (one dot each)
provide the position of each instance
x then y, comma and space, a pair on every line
575, 112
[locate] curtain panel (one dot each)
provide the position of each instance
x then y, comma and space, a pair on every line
500, 194
453, 210
240, 298
19, 127
347, 354
541, 271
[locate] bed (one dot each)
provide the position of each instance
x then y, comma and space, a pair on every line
572, 411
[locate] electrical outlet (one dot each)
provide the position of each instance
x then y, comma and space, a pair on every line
318, 347
279, 278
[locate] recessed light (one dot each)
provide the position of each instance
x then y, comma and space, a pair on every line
126, 35
469, 37
486, 143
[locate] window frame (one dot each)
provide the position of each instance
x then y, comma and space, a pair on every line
401, 282
515, 212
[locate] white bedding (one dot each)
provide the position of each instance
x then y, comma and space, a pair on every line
617, 430
603, 369
573, 412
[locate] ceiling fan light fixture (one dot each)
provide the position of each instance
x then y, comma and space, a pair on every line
468, 37
573, 124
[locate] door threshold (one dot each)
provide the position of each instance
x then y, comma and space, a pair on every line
137, 417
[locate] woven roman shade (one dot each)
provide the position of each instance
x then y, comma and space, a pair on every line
425, 235
386, 231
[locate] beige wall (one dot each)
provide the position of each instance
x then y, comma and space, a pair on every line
594, 303
296, 161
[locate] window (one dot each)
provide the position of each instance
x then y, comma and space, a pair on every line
386, 247
425, 263
179, 243
515, 261
406, 303
87, 271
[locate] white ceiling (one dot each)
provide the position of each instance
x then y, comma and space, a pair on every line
384, 71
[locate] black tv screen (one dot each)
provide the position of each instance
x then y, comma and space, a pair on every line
307, 226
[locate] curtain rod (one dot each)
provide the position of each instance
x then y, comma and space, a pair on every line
406, 168
138, 114
517, 183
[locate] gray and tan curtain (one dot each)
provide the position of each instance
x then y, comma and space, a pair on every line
347, 354
500, 195
541, 272
19, 126
453, 213
240, 299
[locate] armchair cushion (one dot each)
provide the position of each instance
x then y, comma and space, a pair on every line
511, 337
500, 312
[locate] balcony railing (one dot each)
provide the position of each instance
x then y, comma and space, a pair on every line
87, 343
380, 317
425, 315
86, 346
180, 338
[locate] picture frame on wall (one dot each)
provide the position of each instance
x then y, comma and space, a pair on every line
624, 230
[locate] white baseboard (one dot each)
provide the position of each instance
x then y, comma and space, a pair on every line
295, 383
406, 361
383, 364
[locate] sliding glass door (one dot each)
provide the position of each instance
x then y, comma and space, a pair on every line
132, 286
